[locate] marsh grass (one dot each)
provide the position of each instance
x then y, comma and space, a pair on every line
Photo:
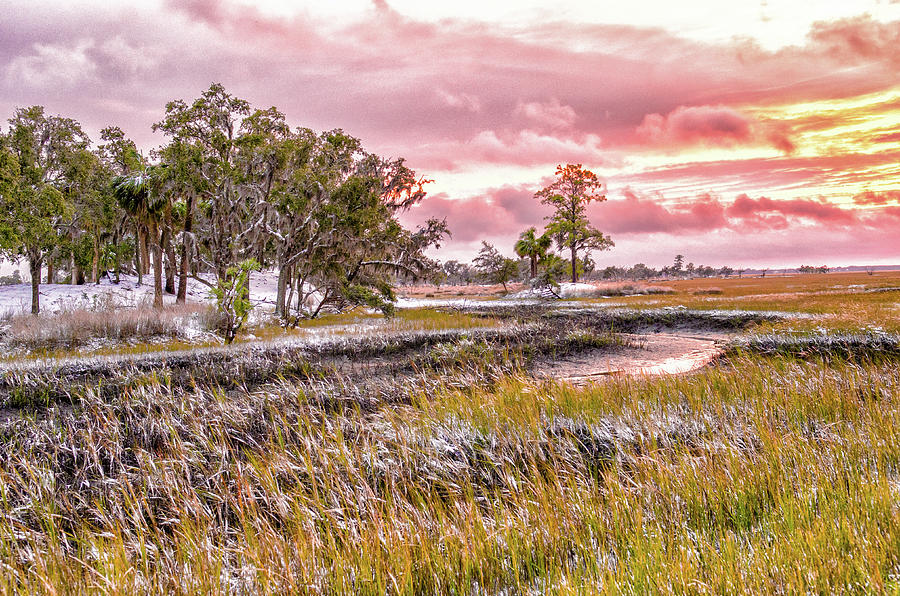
837, 300
626, 289
765, 474
145, 331
266, 471
78, 328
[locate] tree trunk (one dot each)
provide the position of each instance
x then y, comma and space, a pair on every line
280, 296
157, 267
157, 275
321, 304
169, 247
533, 267
138, 265
574, 265
35, 266
290, 294
145, 253
95, 264
299, 284
116, 264
51, 272
186, 249
74, 269
168, 262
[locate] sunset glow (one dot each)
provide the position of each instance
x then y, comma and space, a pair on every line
768, 135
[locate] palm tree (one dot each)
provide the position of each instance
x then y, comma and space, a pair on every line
533, 247
141, 197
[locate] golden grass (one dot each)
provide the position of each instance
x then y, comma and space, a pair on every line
848, 299
763, 474
768, 476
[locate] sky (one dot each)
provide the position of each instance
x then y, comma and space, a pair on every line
747, 133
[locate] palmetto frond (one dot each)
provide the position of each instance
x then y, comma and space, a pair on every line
139, 194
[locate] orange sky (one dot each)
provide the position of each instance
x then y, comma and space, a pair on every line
765, 134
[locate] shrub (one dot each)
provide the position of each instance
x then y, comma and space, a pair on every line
233, 299
707, 292
14, 279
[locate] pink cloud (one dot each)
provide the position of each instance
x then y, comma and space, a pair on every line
637, 214
523, 147
711, 125
551, 114
498, 212
768, 213
858, 38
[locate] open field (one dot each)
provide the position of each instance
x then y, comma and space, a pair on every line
427, 454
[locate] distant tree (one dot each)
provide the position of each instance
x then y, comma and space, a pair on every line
678, 266
457, 272
569, 196
689, 269
494, 267
641, 271
614, 273
726, 271
532, 247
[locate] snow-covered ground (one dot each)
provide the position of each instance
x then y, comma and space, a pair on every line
525, 297
127, 293
565, 290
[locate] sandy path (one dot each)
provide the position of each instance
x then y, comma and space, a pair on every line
659, 354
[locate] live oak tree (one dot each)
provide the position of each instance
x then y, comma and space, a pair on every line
95, 210
37, 157
569, 195
212, 125
332, 218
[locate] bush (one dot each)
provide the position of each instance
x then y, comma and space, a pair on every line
14, 279
707, 292
233, 299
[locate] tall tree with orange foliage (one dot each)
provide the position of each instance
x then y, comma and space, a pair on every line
574, 188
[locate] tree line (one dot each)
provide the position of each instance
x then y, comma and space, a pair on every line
232, 185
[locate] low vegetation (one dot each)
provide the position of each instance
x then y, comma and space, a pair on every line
428, 461
83, 328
